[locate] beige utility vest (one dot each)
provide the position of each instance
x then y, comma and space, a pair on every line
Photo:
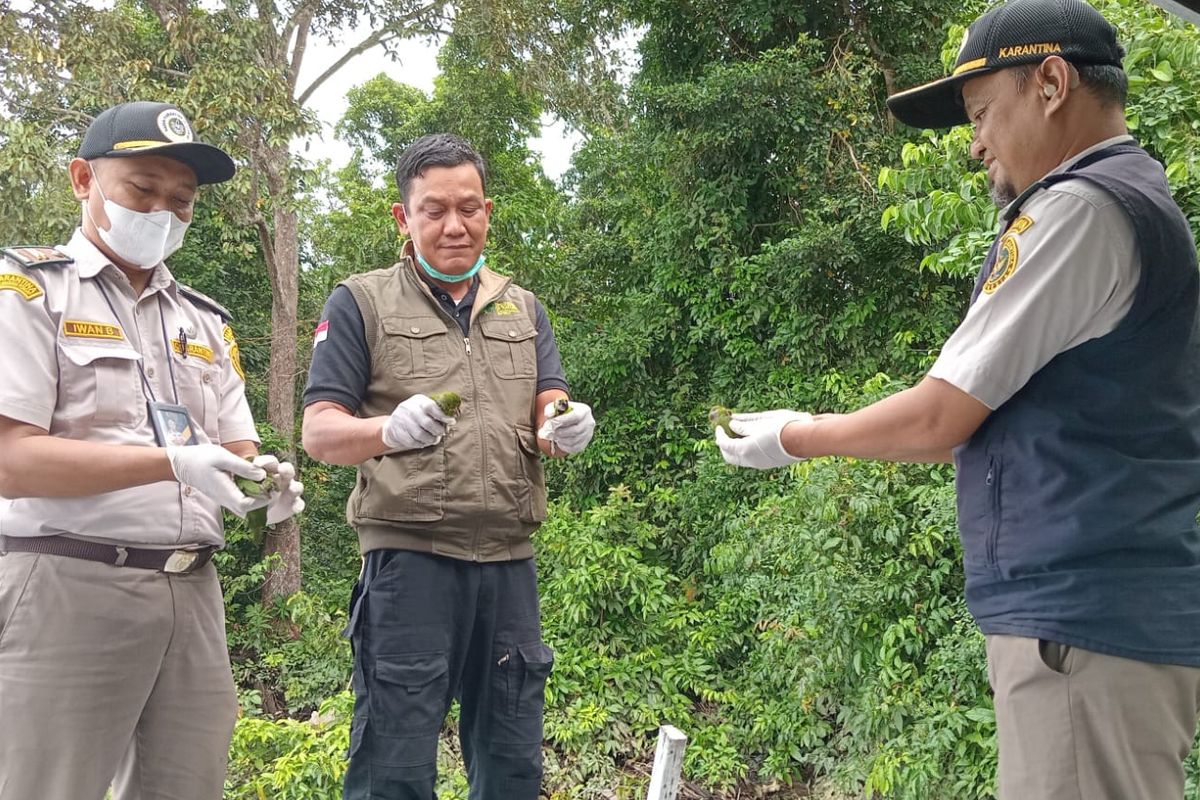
479, 494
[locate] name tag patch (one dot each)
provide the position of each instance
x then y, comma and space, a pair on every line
505, 308
21, 285
193, 349
92, 330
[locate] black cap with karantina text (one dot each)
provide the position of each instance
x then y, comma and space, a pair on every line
144, 128
1018, 32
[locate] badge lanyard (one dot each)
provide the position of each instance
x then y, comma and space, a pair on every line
172, 422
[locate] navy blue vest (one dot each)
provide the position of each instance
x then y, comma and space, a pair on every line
1077, 498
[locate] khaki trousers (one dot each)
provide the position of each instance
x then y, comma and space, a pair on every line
1079, 725
111, 675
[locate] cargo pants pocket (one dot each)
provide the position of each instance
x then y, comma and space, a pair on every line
408, 697
519, 692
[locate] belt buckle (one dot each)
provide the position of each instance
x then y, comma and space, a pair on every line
181, 561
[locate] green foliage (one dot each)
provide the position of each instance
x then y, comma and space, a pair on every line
940, 199
291, 759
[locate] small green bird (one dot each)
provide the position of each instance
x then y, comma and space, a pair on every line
256, 520
718, 417
448, 402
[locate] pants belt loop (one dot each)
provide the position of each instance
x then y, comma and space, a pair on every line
122, 554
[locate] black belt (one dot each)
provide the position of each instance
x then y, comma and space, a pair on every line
173, 562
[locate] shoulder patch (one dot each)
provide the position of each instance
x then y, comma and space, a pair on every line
1021, 224
32, 256
21, 285
1005, 266
204, 301
235, 354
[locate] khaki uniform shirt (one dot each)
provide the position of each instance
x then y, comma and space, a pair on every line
1074, 269
70, 367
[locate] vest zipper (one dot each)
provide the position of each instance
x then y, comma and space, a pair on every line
483, 470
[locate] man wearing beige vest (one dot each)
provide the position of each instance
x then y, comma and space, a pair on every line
446, 605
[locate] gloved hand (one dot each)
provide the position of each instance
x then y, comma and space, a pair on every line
570, 431
207, 467
761, 446
416, 423
287, 502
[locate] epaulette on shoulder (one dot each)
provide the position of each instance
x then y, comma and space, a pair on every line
204, 301
31, 256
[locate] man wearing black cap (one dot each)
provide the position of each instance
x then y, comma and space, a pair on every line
1069, 399
123, 417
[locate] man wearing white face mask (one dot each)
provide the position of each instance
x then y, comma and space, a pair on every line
123, 419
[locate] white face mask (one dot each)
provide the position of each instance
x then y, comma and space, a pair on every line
142, 239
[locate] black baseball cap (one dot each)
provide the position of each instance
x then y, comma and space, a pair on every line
1018, 32
144, 128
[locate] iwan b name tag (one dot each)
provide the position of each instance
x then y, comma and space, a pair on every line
92, 330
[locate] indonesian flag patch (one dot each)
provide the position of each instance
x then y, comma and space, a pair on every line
322, 333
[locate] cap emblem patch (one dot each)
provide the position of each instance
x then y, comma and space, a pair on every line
174, 126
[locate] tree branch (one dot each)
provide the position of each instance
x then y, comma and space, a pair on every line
265, 238
366, 44
884, 59
378, 37
303, 22
267, 13
162, 9
172, 73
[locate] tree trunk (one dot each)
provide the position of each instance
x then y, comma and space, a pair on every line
283, 580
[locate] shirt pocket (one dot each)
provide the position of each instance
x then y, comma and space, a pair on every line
415, 347
100, 384
198, 385
510, 345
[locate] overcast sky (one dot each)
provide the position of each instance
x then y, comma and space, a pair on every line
417, 67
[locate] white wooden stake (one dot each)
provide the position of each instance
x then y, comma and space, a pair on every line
668, 764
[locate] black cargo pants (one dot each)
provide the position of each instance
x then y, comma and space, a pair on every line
426, 629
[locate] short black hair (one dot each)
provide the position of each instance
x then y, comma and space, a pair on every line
436, 150
1108, 83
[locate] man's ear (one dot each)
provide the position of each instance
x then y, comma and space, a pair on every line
82, 178
1053, 75
401, 217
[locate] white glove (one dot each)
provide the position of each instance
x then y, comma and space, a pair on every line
761, 445
416, 423
206, 468
286, 502
570, 431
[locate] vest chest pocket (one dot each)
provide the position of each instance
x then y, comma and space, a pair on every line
415, 347
100, 384
511, 346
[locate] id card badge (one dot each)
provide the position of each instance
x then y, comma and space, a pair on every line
172, 424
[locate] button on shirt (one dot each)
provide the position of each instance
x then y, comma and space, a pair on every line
1069, 272
71, 368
